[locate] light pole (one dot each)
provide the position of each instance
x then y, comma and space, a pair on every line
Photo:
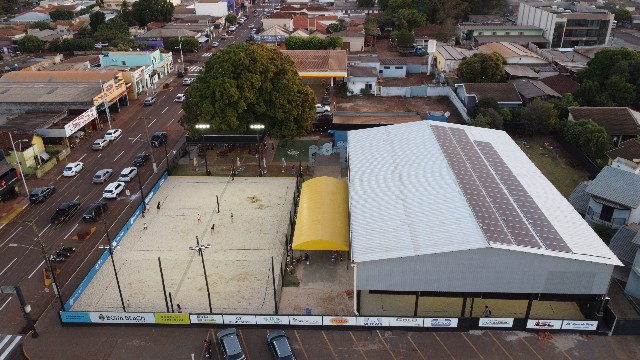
146, 130
202, 127
258, 128
113, 262
106, 106
181, 57
15, 153
43, 250
200, 250
139, 175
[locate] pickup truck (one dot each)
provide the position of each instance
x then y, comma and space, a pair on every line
322, 109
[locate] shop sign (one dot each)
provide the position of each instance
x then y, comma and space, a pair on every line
305, 320
544, 324
496, 322
272, 320
373, 321
239, 319
75, 317
77, 123
441, 322
206, 319
111, 91
408, 322
122, 318
339, 320
172, 318
579, 325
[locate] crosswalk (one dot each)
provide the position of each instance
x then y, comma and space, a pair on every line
194, 69
8, 344
207, 54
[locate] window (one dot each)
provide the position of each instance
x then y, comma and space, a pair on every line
124, 62
480, 33
520, 32
507, 33
398, 67
387, 67
368, 86
494, 33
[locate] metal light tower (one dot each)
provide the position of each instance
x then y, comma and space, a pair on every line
200, 250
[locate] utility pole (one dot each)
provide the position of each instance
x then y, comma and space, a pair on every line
56, 288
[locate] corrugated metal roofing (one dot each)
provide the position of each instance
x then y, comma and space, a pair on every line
405, 201
618, 186
622, 243
579, 197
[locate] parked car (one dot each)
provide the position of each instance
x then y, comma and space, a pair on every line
158, 139
64, 212
230, 344
179, 98
181, 73
41, 194
94, 211
188, 81
251, 26
149, 101
223, 36
100, 144
113, 134
326, 100
140, 159
279, 345
215, 44
113, 190
322, 108
72, 169
128, 173
102, 176
232, 28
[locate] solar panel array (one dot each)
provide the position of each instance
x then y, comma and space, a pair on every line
502, 207
538, 221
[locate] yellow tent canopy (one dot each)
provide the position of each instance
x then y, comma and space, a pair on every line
323, 216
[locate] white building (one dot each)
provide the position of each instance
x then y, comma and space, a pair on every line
211, 7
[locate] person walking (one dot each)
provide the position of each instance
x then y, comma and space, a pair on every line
306, 258
213, 226
232, 218
158, 208
199, 218
486, 312
178, 309
145, 226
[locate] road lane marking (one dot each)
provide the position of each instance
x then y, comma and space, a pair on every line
5, 269
386, 345
71, 231
151, 123
81, 157
180, 111
10, 348
500, 345
170, 122
10, 236
135, 139
415, 347
328, 343
359, 347
37, 268
243, 344
165, 109
59, 176
523, 340
118, 155
444, 346
474, 348
45, 229
5, 303
301, 346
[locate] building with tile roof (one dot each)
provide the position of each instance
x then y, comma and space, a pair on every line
505, 94
534, 89
626, 245
621, 123
319, 63
628, 150
513, 53
561, 84
448, 58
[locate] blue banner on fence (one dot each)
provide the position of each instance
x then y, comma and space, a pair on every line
75, 317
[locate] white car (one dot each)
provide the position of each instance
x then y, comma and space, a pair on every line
251, 26
179, 98
100, 144
232, 28
128, 173
187, 81
215, 44
72, 169
113, 134
322, 108
113, 190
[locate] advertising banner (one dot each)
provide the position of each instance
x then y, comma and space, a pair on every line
579, 325
544, 324
272, 319
239, 319
339, 320
77, 123
409, 322
172, 318
496, 322
441, 322
206, 319
373, 321
111, 91
305, 320
75, 317
122, 318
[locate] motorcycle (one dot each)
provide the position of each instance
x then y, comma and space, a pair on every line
55, 258
62, 254
68, 249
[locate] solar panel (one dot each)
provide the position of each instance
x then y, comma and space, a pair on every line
502, 204
487, 219
536, 219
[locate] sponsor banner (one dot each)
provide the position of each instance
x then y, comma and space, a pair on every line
544, 324
441, 322
77, 123
75, 317
206, 319
86, 281
373, 321
579, 325
339, 320
305, 320
172, 318
122, 318
272, 319
239, 319
496, 322
409, 322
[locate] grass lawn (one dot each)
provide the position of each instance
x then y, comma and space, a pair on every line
560, 172
301, 146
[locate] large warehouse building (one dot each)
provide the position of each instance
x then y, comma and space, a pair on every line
449, 211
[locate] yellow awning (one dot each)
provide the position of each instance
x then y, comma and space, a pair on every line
323, 216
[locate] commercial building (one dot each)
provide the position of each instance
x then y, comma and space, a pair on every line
212, 7
567, 25
156, 64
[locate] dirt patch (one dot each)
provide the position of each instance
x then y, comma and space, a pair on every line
421, 105
409, 80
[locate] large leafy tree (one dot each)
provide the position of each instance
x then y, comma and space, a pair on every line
8, 7
112, 30
312, 42
538, 117
60, 14
338, 26
40, 25
588, 136
250, 83
482, 68
96, 19
231, 18
30, 44
402, 37
146, 11
126, 14
621, 14
366, 3
189, 44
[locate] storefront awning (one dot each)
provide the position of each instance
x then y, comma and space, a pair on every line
323, 216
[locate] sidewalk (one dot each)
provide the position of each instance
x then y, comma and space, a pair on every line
10, 209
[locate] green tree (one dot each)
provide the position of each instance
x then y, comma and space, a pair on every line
488, 118
338, 26
333, 42
312, 42
371, 26
40, 25
8, 7
30, 44
482, 68
126, 14
485, 7
189, 44
588, 136
538, 117
114, 29
563, 104
96, 19
408, 19
366, 3
621, 15
246, 83
231, 18
60, 14
146, 11
488, 103
402, 37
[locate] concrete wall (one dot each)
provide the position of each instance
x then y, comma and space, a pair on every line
633, 283
393, 70
355, 85
426, 91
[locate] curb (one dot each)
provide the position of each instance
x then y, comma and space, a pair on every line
7, 219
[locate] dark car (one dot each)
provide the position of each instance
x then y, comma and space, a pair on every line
94, 211
230, 344
41, 194
323, 122
326, 100
140, 159
279, 345
158, 138
65, 211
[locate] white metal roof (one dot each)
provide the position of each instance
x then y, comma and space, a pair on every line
405, 201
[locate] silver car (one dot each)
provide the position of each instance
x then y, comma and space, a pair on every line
128, 173
102, 176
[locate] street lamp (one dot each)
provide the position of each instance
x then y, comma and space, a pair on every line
146, 130
259, 128
43, 250
200, 250
113, 262
18, 160
202, 127
180, 47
